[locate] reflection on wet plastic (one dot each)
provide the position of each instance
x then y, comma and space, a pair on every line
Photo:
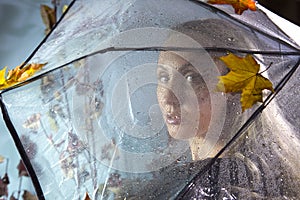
110, 123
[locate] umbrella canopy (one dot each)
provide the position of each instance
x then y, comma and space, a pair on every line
130, 105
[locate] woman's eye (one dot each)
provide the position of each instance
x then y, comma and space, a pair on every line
189, 78
164, 79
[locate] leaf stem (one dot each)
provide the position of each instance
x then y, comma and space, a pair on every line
266, 68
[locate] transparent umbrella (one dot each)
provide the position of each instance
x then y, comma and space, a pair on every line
127, 106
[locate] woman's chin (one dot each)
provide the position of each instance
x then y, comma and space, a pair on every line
180, 133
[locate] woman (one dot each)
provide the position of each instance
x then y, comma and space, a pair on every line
262, 164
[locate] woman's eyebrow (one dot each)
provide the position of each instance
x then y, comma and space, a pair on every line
187, 67
183, 69
161, 67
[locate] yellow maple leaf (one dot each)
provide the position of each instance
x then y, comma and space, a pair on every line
29, 70
65, 7
239, 5
18, 75
2, 76
244, 77
13, 75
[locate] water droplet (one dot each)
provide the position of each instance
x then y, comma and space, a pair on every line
231, 39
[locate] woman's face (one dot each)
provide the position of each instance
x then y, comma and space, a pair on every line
183, 97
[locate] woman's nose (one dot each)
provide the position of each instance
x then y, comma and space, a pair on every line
170, 98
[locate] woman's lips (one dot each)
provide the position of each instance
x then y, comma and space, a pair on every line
173, 119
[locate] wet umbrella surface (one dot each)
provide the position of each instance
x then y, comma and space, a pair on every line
127, 105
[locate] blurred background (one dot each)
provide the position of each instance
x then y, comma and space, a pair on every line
288, 9
21, 30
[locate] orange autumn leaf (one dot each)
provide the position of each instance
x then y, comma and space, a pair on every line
28, 196
22, 169
3, 189
244, 77
239, 5
18, 75
48, 16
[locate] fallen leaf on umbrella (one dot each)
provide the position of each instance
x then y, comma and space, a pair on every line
18, 75
239, 5
2, 159
12, 197
110, 150
22, 169
28, 196
29, 146
244, 77
2, 76
3, 189
67, 165
5, 179
33, 122
52, 123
